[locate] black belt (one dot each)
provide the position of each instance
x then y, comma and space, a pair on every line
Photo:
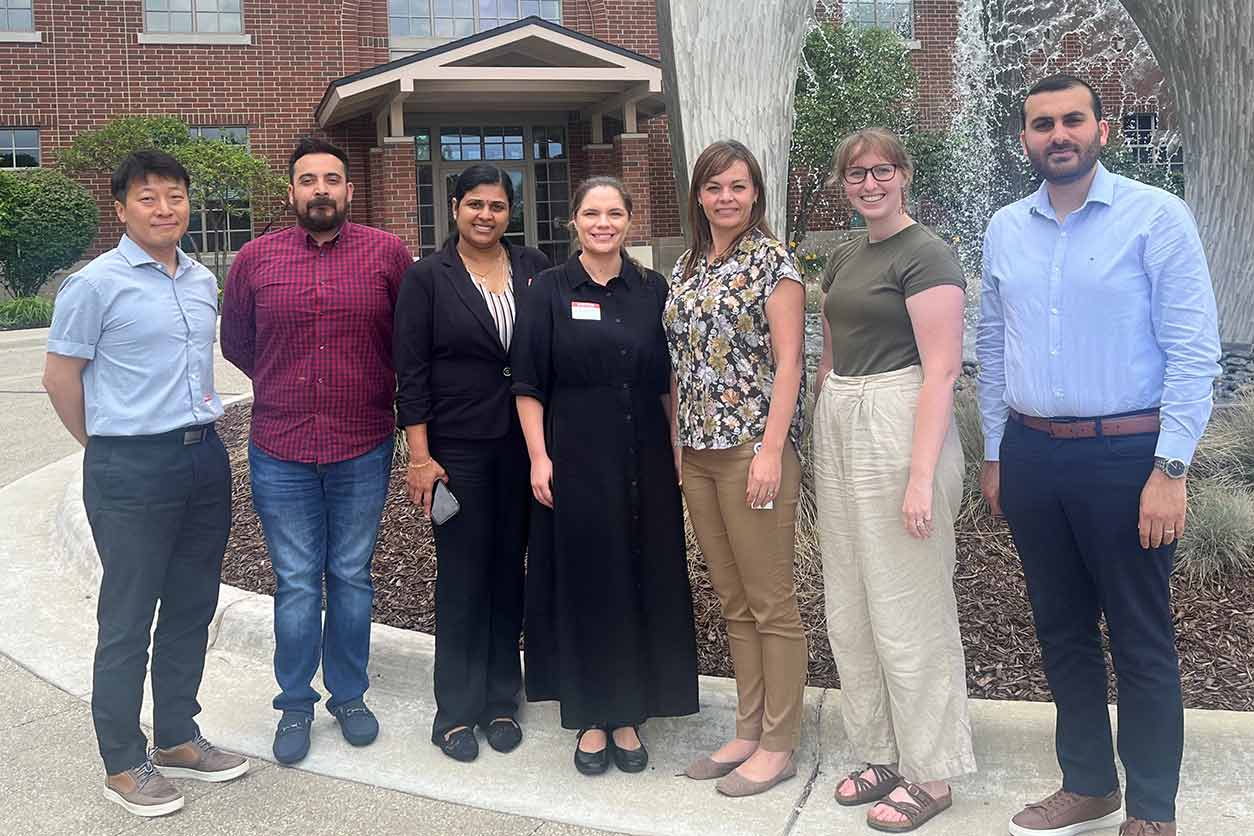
186, 436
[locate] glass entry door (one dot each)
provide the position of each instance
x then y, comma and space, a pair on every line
516, 232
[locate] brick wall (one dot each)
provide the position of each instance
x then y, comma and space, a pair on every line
631, 152
90, 68
393, 186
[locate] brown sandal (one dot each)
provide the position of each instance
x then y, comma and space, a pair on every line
923, 807
886, 780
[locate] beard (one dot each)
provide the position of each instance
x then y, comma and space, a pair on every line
316, 221
1063, 173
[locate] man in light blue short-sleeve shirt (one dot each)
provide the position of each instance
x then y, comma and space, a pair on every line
130, 373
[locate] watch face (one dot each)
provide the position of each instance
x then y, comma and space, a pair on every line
1176, 468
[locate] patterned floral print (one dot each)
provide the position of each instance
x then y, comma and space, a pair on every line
720, 344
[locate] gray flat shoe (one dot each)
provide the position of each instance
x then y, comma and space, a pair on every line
705, 768
738, 786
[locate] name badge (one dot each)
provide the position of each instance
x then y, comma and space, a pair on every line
590, 311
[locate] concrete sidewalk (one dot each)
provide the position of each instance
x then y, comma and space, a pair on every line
47, 626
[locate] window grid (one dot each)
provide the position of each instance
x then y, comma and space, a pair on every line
552, 175
19, 148
1140, 132
448, 19
16, 16
235, 228
426, 210
474, 144
206, 16
897, 15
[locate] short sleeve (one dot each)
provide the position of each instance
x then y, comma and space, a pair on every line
77, 319
661, 371
531, 352
930, 265
778, 264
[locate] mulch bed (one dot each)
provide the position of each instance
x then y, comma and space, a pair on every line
1214, 621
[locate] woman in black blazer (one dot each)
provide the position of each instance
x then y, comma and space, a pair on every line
454, 328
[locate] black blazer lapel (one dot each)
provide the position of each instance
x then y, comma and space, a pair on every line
455, 274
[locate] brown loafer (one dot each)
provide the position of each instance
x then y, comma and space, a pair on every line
920, 809
705, 768
736, 785
886, 780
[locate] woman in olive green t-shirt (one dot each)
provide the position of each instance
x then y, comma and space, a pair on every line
888, 475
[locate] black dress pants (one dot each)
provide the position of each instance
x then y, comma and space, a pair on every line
479, 581
160, 513
1073, 507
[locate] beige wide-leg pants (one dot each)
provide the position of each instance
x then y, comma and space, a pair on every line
892, 617
750, 556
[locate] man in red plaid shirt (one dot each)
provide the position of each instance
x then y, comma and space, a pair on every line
307, 315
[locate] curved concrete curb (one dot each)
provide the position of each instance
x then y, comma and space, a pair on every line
47, 624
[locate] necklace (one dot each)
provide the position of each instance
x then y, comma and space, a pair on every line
494, 278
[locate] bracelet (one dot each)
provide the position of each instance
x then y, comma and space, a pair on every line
420, 465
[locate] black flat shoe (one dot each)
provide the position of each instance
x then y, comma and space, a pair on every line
460, 745
503, 735
591, 763
629, 760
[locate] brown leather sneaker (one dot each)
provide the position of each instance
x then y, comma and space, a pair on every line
1141, 827
1067, 814
143, 791
199, 759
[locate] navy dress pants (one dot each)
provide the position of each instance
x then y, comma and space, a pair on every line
1073, 507
160, 513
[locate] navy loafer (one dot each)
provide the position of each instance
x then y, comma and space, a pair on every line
291, 738
357, 723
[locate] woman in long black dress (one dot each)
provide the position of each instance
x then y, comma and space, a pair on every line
608, 623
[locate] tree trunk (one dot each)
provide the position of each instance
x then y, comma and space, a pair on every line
1206, 51
730, 71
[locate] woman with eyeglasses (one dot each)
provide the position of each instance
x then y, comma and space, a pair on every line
888, 473
452, 348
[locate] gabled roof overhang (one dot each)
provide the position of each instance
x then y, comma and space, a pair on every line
528, 65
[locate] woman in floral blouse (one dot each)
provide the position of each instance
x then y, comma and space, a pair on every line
734, 323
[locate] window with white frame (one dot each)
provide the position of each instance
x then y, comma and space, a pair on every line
445, 19
19, 148
1141, 138
897, 15
221, 228
201, 16
16, 16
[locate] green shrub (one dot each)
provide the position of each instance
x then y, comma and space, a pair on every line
26, 312
1226, 450
1219, 539
47, 221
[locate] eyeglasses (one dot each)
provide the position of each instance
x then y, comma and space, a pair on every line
881, 173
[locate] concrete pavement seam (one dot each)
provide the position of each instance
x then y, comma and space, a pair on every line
804, 798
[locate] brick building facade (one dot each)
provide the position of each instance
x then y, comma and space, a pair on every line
412, 89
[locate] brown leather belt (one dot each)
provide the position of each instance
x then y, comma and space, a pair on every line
1141, 422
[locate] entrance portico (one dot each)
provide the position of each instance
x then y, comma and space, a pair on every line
532, 97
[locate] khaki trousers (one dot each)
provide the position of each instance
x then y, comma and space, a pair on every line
892, 617
750, 557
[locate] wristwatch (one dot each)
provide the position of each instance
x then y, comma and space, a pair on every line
1171, 468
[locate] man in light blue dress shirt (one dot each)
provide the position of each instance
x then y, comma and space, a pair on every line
129, 371
1098, 346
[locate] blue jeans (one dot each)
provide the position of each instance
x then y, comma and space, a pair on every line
320, 520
